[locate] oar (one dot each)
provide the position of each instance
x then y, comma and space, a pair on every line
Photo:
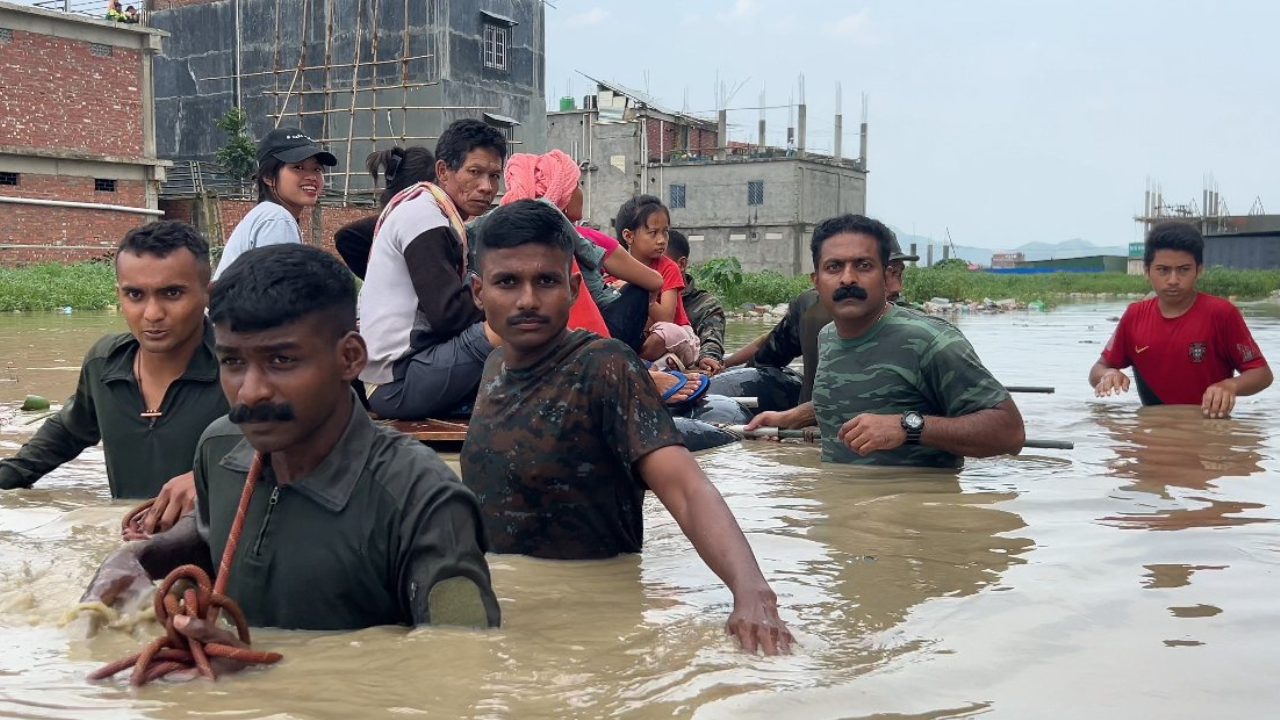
813, 434
754, 402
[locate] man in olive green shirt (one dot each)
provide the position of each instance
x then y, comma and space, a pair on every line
350, 524
892, 386
146, 394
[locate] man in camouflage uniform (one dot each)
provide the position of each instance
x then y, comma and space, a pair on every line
569, 432
795, 336
704, 310
892, 386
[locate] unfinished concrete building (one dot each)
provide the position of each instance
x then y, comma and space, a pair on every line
354, 74
1248, 241
751, 201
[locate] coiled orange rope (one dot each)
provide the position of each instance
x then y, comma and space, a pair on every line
202, 599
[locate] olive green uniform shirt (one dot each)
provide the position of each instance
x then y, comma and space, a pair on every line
142, 454
360, 541
906, 361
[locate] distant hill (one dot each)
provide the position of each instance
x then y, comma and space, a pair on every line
1075, 247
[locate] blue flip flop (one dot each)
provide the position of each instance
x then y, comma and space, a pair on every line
703, 383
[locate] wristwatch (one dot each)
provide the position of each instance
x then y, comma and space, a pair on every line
913, 423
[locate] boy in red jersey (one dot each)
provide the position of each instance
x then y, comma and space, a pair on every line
1185, 346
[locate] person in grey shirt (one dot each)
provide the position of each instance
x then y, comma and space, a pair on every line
289, 181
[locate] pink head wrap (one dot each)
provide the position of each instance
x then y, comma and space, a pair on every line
552, 176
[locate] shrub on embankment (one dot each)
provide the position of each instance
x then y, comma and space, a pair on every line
91, 285
921, 284
725, 278
49, 286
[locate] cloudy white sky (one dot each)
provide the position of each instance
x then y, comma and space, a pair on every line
1005, 122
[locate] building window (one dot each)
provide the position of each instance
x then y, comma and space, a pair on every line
99, 50
755, 192
6, 35
495, 46
503, 124
103, 185
677, 196
8, 178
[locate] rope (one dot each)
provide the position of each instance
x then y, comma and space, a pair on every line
200, 599
131, 524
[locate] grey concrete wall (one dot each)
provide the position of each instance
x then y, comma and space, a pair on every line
717, 218
612, 175
1254, 252
516, 92
189, 99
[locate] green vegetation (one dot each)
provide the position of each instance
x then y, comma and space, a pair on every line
91, 285
725, 278
49, 286
239, 156
921, 284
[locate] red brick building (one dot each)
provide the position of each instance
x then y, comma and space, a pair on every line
78, 164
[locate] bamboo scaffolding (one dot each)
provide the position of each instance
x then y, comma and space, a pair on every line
329, 66
410, 107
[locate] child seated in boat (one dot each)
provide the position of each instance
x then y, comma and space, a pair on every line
643, 225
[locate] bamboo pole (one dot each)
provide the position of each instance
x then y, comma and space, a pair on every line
813, 434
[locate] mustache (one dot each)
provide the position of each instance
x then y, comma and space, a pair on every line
262, 412
844, 292
527, 317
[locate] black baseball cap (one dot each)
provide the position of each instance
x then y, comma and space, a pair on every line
895, 252
291, 145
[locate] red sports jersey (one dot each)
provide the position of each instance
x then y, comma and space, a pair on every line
1177, 359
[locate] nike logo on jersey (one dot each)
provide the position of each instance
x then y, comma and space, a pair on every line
1139, 350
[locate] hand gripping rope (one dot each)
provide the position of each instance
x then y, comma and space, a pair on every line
173, 651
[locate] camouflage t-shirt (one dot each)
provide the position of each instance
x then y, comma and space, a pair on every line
907, 361
550, 450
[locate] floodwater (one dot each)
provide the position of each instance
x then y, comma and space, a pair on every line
1135, 576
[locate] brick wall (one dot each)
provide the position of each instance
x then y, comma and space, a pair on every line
78, 234
233, 211
56, 93
665, 138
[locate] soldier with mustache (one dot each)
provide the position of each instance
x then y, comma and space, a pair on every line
893, 386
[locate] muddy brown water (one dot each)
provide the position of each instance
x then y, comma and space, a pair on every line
1135, 576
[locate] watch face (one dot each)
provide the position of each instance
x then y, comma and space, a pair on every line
913, 421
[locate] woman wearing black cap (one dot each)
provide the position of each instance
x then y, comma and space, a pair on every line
289, 180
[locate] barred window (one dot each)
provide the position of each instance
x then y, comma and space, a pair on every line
495, 46
8, 178
755, 192
6, 35
104, 185
99, 50
677, 196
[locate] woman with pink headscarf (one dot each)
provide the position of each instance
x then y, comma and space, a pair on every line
553, 177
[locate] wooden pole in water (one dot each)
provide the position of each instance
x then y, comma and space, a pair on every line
813, 434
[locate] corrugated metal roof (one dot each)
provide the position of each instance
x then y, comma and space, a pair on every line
644, 99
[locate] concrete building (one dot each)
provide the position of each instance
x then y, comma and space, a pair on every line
78, 163
753, 202
1244, 250
354, 74
1007, 259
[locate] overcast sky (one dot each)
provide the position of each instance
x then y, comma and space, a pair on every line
1006, 122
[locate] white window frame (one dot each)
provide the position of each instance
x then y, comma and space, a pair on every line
496, 42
